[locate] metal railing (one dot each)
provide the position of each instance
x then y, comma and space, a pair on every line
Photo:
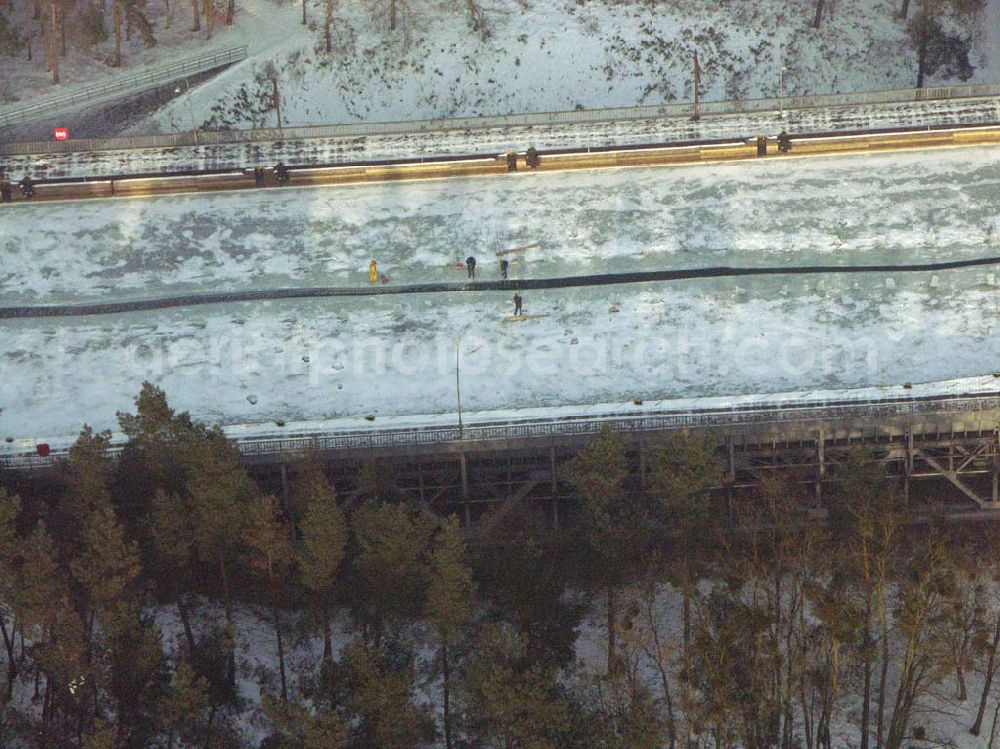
122, 85
582, 116
542, 428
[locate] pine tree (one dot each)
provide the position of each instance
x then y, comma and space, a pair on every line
378, 683
865, 522
325, 731
107, 565
324, 538
134, 674
87, 478
105, 736
183, 709
172, 541
615, 528
268, 539
10, 40
298, 728
509, 700
684, 468
10, 510
220, 492
390, 566
450, 596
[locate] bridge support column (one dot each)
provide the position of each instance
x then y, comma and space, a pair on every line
908, 467
730, 476
995, 465
820, 466
555, 488
642, 460
465, 490
284, 487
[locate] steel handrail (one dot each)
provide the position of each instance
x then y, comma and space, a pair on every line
164, 74
776, 413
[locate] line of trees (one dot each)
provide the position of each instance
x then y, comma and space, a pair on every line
39, 27
755, 627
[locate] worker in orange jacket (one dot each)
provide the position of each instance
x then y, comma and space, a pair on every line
373, 271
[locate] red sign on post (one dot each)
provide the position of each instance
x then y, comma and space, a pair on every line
60, 133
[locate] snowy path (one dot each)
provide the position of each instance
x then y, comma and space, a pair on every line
389, 356
499, 140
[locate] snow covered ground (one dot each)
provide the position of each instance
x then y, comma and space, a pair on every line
624, 54
389, 356
434, 65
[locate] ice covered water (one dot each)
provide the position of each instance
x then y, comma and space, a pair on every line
395, 355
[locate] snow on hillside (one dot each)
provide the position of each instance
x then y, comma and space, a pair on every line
86, 64
563, 54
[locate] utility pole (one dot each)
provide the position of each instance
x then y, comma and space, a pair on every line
458, 384
697, 86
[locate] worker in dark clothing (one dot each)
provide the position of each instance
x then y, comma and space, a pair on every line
258, 176
517, 304
784, 142
281, 173
5, 191
470, 266
503, 268
27, 186
531, 159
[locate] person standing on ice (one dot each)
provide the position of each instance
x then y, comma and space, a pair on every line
503, 268
517, 304
470, 266
373, 271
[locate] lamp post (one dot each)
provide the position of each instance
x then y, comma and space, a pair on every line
458, 384
187, 91
781, 87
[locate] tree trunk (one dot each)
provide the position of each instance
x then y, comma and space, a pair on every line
990, 671
118, 33
922, 60
230, 11
392, 15
664, 681
303, 12
276, 97
819, 13
196, 13
327, 638
993, 728
281, 652
62, 33
612, 630
208, 727
231, 668
128, 26
8, 643
866, 692
209, 17
326, 26
53, 42
186, 621
446, 674
884, 675
904, 10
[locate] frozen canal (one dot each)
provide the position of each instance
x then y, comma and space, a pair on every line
395, 355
